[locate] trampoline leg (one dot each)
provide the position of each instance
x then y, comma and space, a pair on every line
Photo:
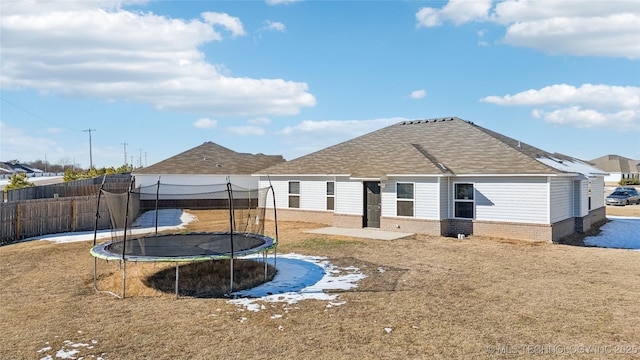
264, 259
177, 277
95, 275
231, 276
124, 277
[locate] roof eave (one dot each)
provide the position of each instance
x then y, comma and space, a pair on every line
301, 175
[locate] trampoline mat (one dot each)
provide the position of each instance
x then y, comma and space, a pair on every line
171, 246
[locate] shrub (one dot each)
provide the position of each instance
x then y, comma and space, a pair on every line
18, 181
625, 182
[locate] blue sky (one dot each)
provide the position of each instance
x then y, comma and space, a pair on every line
293, 77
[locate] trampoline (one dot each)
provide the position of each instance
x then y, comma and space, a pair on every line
243, 235
184, 247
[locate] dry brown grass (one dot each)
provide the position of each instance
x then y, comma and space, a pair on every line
440, 298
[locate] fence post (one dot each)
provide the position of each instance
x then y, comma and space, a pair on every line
74, 215
18, 225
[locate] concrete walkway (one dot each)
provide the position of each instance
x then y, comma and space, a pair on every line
368, 233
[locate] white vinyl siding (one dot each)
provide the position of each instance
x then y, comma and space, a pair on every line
349, 197
597, 192
426, 197
173, 186
561, 199
280, 190
581, 198
444, 191
518, 199
313, 191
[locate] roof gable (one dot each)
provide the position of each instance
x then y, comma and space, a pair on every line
211, 158
434, 147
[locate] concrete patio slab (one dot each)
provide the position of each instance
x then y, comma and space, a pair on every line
367, 233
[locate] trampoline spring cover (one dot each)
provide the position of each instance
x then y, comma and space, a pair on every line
184, 247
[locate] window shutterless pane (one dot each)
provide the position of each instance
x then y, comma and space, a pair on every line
294, 201
330, 203
404, 191
404, 208
464, 191
330, 188
294, 187
464, 210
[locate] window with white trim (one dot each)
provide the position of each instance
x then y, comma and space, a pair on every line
294, 194
463, 201
331, 195
404, 199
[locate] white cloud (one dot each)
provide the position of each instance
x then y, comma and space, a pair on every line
29, 147
481, 34
456, 11
602, 96
588, 118
231, 23
418, 94
205, 123
247, 130
113, 54
275, 25
603, 28
585, 106
350, 127
310, 135
260, 121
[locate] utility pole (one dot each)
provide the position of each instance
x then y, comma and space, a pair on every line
140, 159
125, 153
90, 155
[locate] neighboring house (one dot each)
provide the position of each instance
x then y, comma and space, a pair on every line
199, 172
618, 167
5, 169
16, 168
441, 176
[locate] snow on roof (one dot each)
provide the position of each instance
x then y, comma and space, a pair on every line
571, 166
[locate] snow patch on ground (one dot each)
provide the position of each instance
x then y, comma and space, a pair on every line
621, 232
69, 350
168, 219
300, 277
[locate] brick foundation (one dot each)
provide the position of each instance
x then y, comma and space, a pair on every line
420, 226
320, 217
453, 227
563, 228
347, 221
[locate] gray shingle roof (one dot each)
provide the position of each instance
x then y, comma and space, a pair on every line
434, 147
211, 158
617, 164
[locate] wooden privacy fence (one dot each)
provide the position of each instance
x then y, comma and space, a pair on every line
24, 219
65, 190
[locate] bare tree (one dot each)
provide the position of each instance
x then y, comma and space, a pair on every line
64, 162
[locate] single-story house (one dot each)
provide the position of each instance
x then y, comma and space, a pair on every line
10, 168
200, 173
444, 176
618, 167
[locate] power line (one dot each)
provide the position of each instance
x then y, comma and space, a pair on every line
34, 115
